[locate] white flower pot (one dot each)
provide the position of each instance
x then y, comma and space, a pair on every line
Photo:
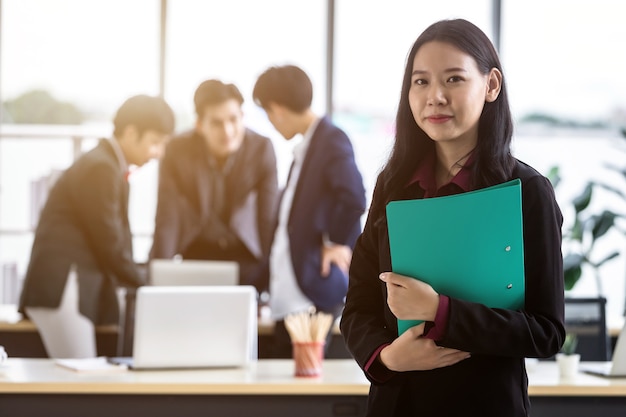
568, 364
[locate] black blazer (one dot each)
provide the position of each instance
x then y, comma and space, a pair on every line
493, 381
329, 200
84, 223
184, 196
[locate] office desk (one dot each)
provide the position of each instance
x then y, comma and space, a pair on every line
583, 395
267, 388
22, 339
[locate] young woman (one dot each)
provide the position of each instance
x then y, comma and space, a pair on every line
453, 135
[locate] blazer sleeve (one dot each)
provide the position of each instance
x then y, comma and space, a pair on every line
363, 322
256, 180
346, 184
267, 198
99, 190
174, 214
538, 329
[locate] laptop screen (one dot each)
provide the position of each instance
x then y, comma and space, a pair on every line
193, 272
617, 366
189, 326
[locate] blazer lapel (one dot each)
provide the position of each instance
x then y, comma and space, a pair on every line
106, 148
309, 156
240, 179
124, 199
202, 177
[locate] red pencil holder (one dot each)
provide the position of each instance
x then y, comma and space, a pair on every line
308, 358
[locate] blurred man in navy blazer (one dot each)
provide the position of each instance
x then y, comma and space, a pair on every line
82, 251
320, 208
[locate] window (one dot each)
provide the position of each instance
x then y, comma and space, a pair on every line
562, 60
89, 55
372, 42
235, 41
93, 55
564, 64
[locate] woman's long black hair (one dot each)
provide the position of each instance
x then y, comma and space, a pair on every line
493, 162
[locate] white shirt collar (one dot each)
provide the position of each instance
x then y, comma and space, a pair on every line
300, 149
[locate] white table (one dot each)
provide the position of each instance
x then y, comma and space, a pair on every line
266, 388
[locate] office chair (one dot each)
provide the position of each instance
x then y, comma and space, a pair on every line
586, 317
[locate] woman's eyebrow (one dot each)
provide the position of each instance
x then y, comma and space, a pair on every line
452, 69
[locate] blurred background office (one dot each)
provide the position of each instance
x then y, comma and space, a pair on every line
61, 78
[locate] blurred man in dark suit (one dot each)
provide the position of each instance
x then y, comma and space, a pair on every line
82, 251
320, 209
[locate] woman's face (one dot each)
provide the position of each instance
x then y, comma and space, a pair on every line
448, 93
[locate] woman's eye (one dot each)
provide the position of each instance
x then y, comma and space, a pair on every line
420, 81
455, 79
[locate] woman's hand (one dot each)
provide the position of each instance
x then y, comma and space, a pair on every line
412, 352
409, 298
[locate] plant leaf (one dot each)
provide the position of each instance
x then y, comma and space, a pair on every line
554, 175
570, 344
602, 223
571, 275
582, 201
576, 231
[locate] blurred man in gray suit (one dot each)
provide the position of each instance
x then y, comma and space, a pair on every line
218, 189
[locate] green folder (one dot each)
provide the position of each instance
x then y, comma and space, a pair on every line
468, 246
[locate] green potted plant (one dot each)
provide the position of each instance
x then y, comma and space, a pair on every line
568, 359
570, 344
583, 234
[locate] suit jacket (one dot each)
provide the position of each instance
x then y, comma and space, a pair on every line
493, 381
328, 202
84, 223
184, 197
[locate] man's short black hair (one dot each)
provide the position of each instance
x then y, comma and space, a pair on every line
145, 113
213, 92
288, 86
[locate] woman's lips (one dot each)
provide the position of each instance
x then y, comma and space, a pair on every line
439, 118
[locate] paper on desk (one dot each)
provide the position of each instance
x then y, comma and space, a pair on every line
9, 313
469, 246
99, 364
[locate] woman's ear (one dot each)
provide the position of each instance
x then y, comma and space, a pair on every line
494, 85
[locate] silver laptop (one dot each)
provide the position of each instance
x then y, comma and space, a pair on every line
617, 366
194, 327
193, 272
